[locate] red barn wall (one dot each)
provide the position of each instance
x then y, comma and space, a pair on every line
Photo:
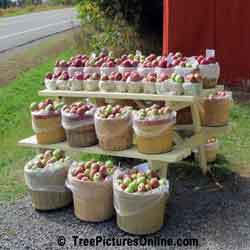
194, 25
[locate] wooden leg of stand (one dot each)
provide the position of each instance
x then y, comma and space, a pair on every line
202, 160
161, 166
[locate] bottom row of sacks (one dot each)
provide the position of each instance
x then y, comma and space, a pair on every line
98, 189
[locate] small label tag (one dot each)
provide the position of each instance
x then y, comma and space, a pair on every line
93, 55
210, 53
138, 53
191, 60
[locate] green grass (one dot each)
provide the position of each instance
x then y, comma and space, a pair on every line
15, 124
14, 11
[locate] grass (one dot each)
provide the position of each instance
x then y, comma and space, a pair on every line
15, 124
15, 11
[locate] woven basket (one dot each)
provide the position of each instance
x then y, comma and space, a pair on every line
48, 130
148, 221
114, 135
209, 83
81, 137
216, 111
155, 144
44, 200
184, 116
211, 151
92, 201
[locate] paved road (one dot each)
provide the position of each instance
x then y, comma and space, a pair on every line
20, 30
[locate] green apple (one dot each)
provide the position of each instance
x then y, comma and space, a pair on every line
86, 172
49, 107
129, 190
97, 177
33, 106
58, 154
189, 65
140, 180
127, 181
59, 106
163, 181
130, 56
179, 79
109, 164
173, 76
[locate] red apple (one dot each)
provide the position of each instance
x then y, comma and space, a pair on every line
154, 182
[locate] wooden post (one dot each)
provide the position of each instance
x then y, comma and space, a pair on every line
161, 166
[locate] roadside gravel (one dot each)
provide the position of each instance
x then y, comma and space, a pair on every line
219, 219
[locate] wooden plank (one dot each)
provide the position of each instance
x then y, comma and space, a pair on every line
113, 95
203, 160
196, 117
173, 156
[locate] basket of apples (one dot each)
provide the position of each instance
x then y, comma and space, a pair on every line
140, 197
211, 149
45, 176
147, 65
78, 122
46, 121
91, 185
175, 84
113, 126
149, 83
106, 84
193, 84
209, 70
76, 65
153, 128
216, 109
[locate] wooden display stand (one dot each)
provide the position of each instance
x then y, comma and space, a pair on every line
184, 145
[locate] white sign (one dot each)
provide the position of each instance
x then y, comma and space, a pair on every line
210, 53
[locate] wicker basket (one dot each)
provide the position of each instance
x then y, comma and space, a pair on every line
149, 221
211, 150
209, 83
48, 130
184, 116
115, 134
81, 137
92, 201
44, 200
216, 111
140, 213
153, 138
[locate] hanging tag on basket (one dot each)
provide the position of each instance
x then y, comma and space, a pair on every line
210, 53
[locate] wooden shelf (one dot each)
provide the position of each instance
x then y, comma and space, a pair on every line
173, 156
114, 95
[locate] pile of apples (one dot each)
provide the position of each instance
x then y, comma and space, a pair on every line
135, 181
177, 78
193, 78
152, 112
93, 170
94, 77
48, 157
202, 60
151, 77
162, 77
78, 76
134, 77
217, 95
47, 105
64, 76
61, 64
79, 108
113, 112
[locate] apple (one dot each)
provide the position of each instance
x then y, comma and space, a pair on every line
123, 186
76, 171
154, 183
78, 76
79, 176
127, 181
97, 177
162, 182
49, 76
179, 79
103, 170
141, 188
141, 179
162, 64
58, 153
85, 178
33, 106
104, 77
